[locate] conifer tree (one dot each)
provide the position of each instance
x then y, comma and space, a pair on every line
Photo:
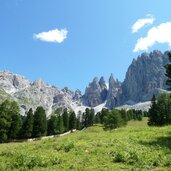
16, 121
153, 112
124, 116
40, 122
52, 125
60, 125
104, 113
97, 118
91, 117
66, 120
5, 120
113, 120
86, 117
80, 120
164, 109
72, 121
27, 127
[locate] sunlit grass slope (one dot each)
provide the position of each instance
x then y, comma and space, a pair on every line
134, 147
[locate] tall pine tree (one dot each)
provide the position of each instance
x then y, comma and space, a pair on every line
52, 125
91, 117
72, 121
65, 120
16, 121
27, 127
40, 122
5, 120
153, 112
60, 125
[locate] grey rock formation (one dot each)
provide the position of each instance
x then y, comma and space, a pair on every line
32, 94
77, 95
92, 96
145, 76
114, 87
12, 83
95, 93
104, 90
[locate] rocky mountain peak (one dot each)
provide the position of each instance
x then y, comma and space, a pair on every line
92, 96
111, 81
102, 82
30, 94
104, 89
144, 77
38, 83
77, 95
12, 83
114, 87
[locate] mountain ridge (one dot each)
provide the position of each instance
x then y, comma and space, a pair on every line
144, 77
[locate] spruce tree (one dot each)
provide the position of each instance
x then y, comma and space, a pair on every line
113, 120
164, 109
153, 111
86, 117
16, 121
124, 116
91, 117
5, 120
72, 121
80, 120
60, 125
97, 118
104, 113
52, 125
27, 127
40, 122
66, 120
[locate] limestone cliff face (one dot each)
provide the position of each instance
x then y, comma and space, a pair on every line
35, 93
95, 93
12, 83
114, 87
145, 76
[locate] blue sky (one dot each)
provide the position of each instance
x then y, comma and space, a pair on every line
98, 41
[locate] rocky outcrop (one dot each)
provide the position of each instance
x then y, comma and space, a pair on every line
95, 93
30, 94
12, 83
104, 90
145, 76
114, 87
77, 95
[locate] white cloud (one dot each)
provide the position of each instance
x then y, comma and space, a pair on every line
57, 36
159, 34
141, 23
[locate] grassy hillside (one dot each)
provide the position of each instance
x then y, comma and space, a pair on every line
134, 147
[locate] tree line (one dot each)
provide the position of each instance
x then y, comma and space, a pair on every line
160, 110
117, 118
34, 124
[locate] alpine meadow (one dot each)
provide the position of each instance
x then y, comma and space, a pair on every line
85, 85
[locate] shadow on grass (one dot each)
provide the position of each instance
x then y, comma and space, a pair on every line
164, 142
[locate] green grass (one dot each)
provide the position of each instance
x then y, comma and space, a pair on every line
134, 147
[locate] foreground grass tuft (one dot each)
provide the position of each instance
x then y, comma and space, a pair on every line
134, 147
